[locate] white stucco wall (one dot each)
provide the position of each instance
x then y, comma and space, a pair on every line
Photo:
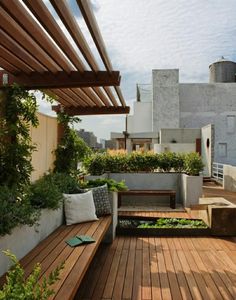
202, 104
180, 135
141, 120
165, 99
172, 147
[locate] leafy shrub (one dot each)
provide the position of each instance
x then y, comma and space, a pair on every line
71, 149
15, 210
17, 287
178, 162
113, 185
193, 164
66, 184
166, 161
44, 193
97, 164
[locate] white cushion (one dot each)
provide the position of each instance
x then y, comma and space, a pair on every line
79, 208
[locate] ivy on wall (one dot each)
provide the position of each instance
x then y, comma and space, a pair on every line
18, 112
71, 149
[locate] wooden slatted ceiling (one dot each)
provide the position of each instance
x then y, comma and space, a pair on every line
38, 54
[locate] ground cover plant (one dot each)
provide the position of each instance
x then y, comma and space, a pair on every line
174, 223
178, 223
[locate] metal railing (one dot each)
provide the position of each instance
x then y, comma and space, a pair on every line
218, 171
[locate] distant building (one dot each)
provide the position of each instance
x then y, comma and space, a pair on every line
166, 106
110, 144
89, 138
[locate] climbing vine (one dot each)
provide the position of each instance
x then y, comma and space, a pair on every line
71, 148
18, 112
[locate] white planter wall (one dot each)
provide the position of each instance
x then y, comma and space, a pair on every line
190, 189
24, 238
152, 181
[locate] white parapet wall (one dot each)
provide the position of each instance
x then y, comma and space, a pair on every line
24, 238
174, 147
229, 178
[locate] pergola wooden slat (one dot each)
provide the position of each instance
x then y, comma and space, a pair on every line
38, 54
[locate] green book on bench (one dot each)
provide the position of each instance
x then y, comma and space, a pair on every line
79, 240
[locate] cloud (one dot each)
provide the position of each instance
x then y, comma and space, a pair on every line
142, 35
186, 34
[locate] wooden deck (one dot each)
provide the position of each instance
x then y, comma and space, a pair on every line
156, 214
162, 268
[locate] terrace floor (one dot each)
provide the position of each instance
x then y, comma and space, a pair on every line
164, 267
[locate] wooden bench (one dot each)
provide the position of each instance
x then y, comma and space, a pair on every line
53, 250
170, 193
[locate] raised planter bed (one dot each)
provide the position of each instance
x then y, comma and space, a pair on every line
129, 226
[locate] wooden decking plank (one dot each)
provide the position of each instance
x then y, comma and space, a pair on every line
216, 260
108, 291
139, 244
155, 279
165, 287
189, 276
184, 289
104, 275
69, 286
207, 276
146, 278
128, 284
215, 276
119, 283
173, 282
230, 243
202, 286
137, 280
227, 275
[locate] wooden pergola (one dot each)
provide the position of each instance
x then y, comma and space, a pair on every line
38, 53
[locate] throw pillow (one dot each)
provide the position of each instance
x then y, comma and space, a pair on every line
79, 208
101, 200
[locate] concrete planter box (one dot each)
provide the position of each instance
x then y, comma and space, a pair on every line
188, 188
191, 189
149, 181
24, 238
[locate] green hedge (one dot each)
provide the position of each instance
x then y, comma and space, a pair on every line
100, 163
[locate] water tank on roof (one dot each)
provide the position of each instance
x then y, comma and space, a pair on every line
222, 70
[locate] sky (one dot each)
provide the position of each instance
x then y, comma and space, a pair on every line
141, 35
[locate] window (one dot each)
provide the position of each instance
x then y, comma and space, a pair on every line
222, 149
230, 124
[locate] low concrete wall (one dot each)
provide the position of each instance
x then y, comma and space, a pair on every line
190, 189
229, 180
24, 238
150, 181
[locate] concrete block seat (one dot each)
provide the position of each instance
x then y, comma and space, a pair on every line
220, 214
53, 250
